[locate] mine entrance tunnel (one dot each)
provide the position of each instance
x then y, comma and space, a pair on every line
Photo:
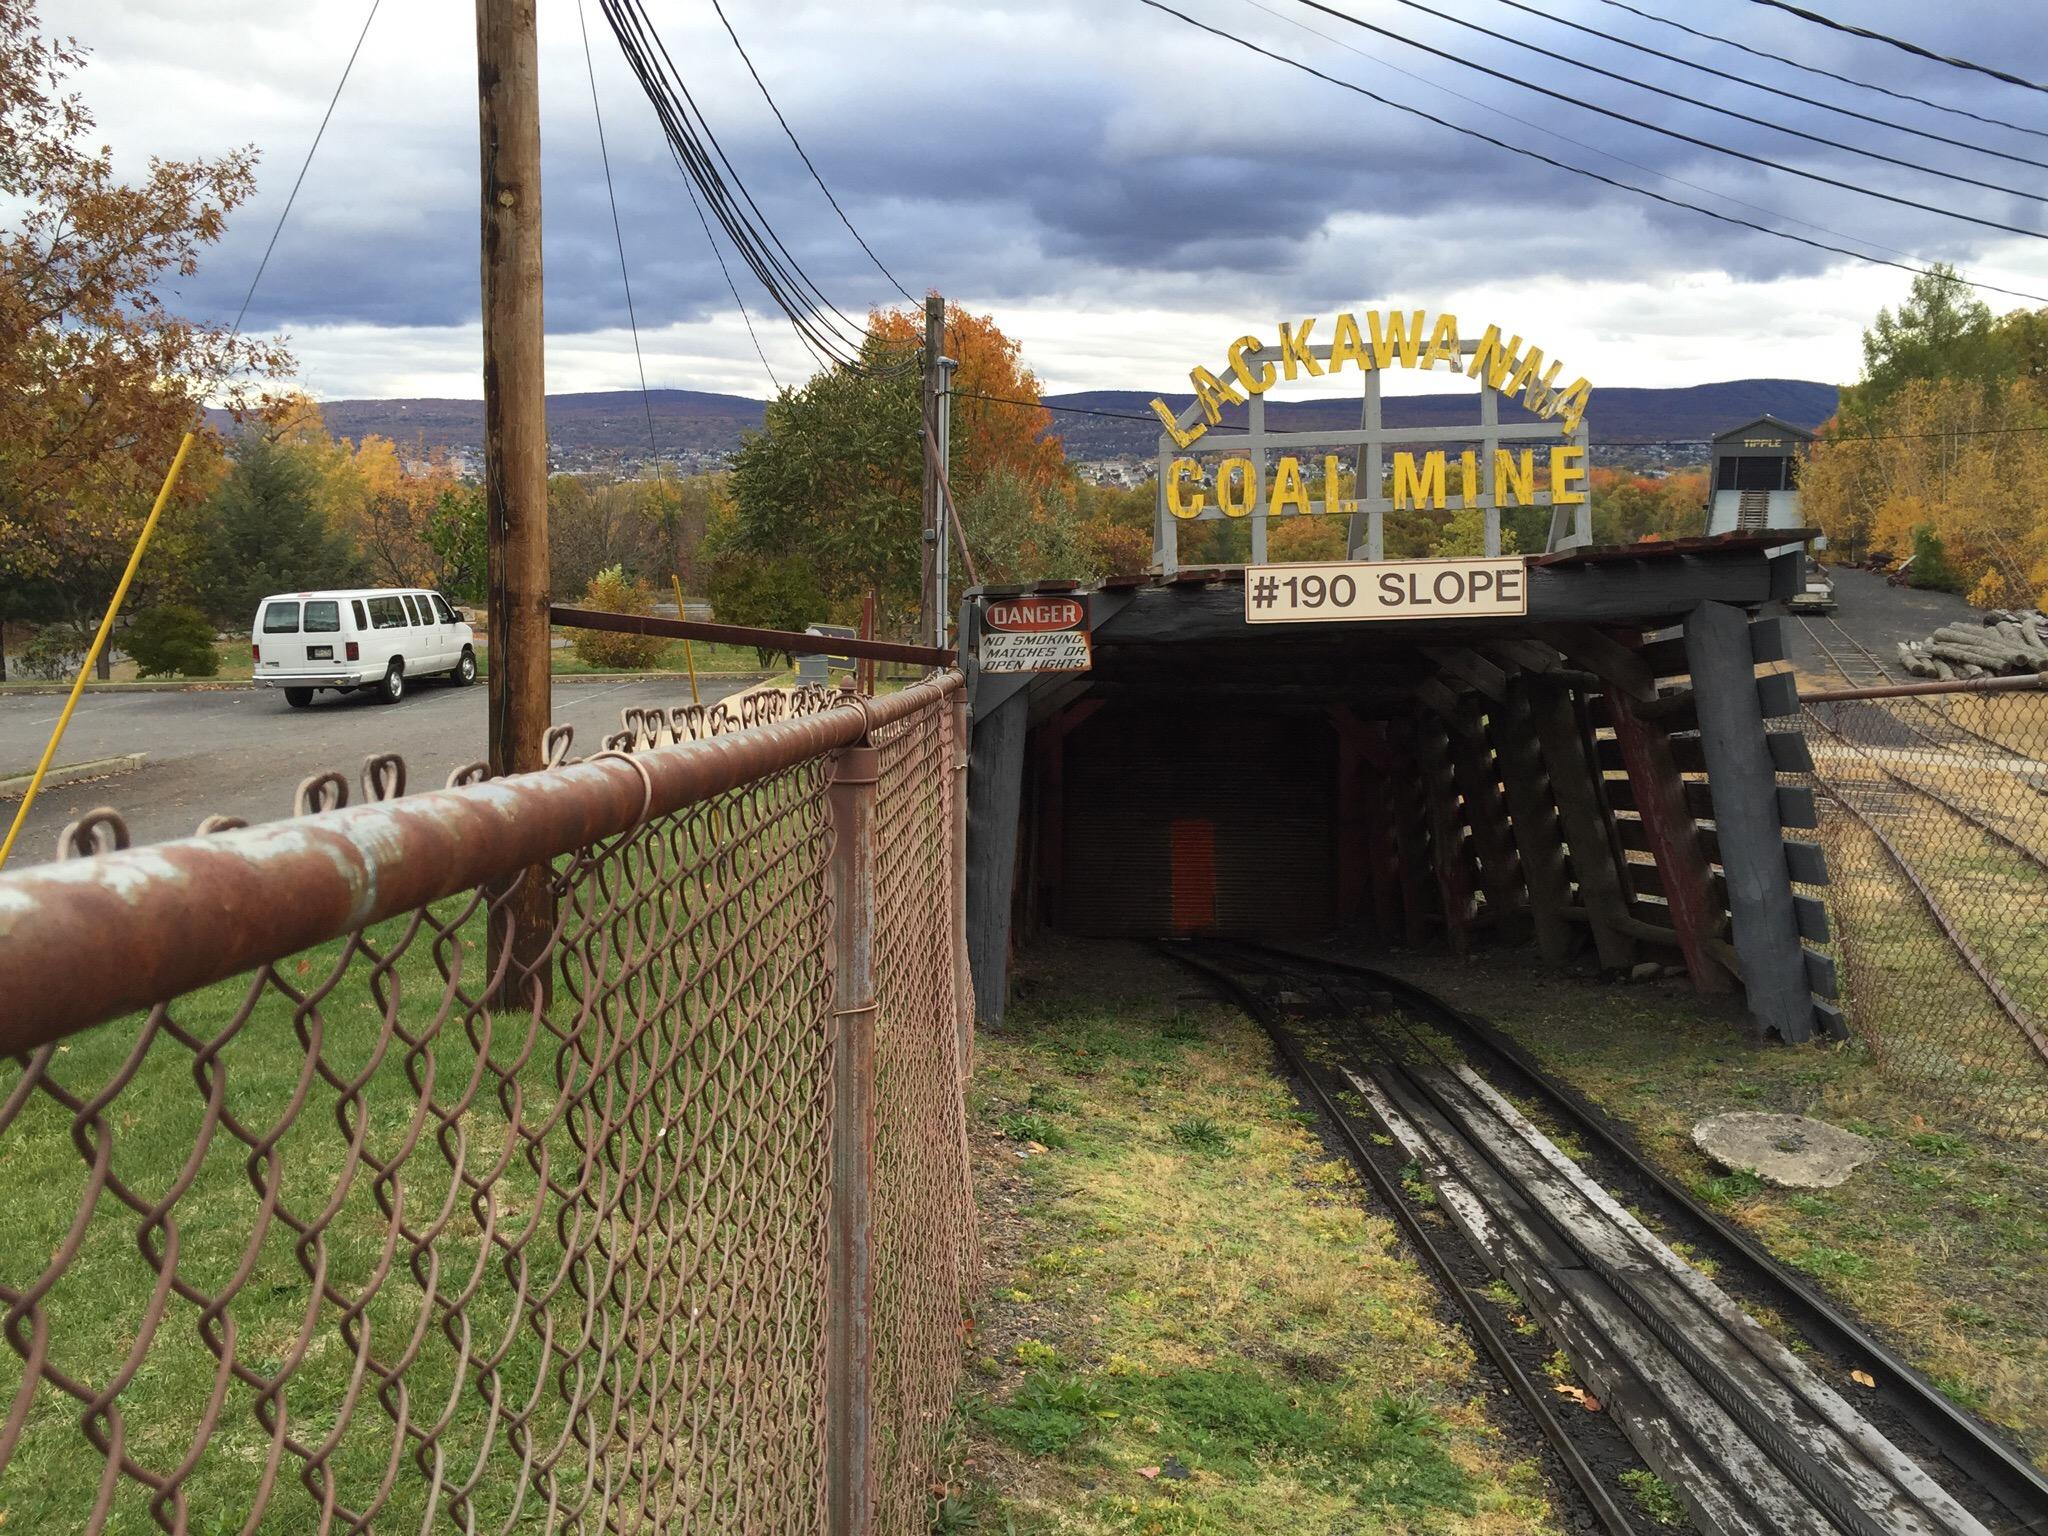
1610, 775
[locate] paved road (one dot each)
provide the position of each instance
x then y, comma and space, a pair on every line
243, 751
1879, 616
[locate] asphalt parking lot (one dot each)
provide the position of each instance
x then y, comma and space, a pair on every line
1877, 616
243, 751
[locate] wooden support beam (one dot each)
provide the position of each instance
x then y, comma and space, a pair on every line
1789, 752
1486, 813
1051, 871
1437, 696
1446, 833
1529, 655
1570, 764
1747, 818
1469, 668
995, 795
1805, 862
1411, 834
1616, 664
1383, 854
1354, 789
1674, 840
1533, 821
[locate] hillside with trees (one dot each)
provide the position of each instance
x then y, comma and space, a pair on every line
1940, 447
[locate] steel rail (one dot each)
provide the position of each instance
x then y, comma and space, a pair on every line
1528, 1392
1976, 1451
2031, 855
1807, 1450
2007, 1003
1893, 688
1698, 1357
1840, 791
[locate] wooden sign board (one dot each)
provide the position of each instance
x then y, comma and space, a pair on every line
1350, 592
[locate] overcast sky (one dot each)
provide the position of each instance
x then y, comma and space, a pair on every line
1124, 193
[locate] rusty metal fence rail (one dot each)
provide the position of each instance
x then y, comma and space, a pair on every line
322, 1211
1935, 815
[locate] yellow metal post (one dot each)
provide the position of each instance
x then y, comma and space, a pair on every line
689, 656
99, 642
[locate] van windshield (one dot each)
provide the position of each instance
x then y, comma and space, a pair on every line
281, 619
323, 618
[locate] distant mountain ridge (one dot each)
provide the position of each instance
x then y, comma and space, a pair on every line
691, 423
1692, 413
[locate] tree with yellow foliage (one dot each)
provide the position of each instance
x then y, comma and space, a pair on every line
1939, 450
99, 379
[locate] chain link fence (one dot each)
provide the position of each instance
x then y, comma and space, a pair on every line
1935, 818
325, 1207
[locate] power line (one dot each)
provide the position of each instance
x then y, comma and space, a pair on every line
1393, 433
1576, 170
1829, 74
698, 209
1672, 133
618, 234
1758, 85
304, 166
1066, 410
830, 336
720, 9
1900, 43
1605, 154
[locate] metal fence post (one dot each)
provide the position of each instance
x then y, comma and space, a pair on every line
961, 722
850, 1295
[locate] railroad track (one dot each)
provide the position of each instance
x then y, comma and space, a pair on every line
1860, 667
1755, 1437
1895, 797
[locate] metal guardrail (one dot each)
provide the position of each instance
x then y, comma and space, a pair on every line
324, 1211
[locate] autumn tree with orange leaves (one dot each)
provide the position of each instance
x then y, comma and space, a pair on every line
830, 490
98, 378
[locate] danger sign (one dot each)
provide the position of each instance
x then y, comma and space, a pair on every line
1036, 615
1035, 634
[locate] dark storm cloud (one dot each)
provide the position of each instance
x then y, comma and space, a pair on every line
1095, 148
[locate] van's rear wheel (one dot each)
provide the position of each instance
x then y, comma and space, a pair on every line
392, 689
298, 698
465, 669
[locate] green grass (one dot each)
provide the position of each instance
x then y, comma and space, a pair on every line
1193, 1287
1655, 1497
1947, 1212
363, 1106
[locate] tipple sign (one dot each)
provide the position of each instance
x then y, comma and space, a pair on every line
1035, 634
1393, 589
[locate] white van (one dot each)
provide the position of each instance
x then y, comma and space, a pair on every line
381, 638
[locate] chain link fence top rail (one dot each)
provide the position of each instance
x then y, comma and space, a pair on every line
318, 1212
1935, 818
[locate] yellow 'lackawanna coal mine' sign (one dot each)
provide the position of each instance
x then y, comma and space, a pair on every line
1244, 483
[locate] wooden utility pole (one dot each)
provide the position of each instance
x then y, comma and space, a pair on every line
933, 622
515, 416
